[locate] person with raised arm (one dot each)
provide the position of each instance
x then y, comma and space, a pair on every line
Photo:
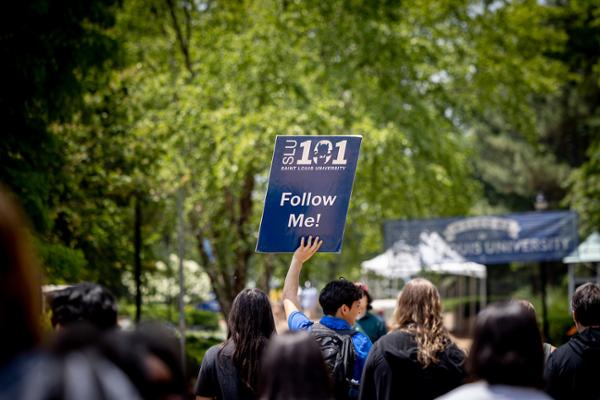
344, 349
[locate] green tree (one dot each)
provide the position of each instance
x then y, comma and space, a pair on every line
67, 148
52, 53
215, 82
556, 157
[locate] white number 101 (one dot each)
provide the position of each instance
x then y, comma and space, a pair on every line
340, 158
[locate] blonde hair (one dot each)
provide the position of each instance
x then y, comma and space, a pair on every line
419, 311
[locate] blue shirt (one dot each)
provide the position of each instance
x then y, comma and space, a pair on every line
362, 344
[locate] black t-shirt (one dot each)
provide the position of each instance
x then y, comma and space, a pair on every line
219, 378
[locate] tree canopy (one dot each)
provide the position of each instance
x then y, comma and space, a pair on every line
463, 105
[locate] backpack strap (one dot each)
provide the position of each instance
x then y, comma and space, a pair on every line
320, 329
339, 356
346, 332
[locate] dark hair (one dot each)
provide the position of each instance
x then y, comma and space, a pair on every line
369, 299
507, 346
84, 302
20, 284
76, 367
250, 326
586, 304
337, 293
365, 292
293, 368
150, 357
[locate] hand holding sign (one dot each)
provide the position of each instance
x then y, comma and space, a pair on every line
290, 286
305, 252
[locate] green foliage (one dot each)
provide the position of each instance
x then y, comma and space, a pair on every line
513, 171
53, 53
559, 314
462, 106
560, 320
198, 319
196, 346
106, 168
215, 84
558, 156
585, 191
63, 264
67, 153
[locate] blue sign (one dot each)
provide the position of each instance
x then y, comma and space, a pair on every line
309, 192
533, 236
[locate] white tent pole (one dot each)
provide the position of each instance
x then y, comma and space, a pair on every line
461, 304
472, 296
571, 282
482, 292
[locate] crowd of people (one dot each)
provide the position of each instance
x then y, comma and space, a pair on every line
346, 354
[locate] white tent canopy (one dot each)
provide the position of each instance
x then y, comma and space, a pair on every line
586, 252
432, 254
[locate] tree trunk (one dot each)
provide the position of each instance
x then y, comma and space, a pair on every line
137, 250
265, 278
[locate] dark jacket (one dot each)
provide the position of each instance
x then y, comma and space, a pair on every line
573, 370
371, 325
392, 370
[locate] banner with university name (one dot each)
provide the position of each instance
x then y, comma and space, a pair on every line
309, 191
533, 236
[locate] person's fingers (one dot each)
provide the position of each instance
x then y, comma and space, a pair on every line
302, 242
314, 247
319, 245
309, 244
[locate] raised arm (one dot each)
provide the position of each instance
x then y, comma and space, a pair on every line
290, 286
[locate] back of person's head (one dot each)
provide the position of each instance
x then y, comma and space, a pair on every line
84, 302
365, 290
507, 346
150, 357
75, 367
20, 284
251, 324
293, 368
338, 293
586, 305
163, 345
419, 310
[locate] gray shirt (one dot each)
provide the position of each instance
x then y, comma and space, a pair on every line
483, 391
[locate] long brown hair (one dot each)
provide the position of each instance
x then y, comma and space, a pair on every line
20, 287
419, 311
